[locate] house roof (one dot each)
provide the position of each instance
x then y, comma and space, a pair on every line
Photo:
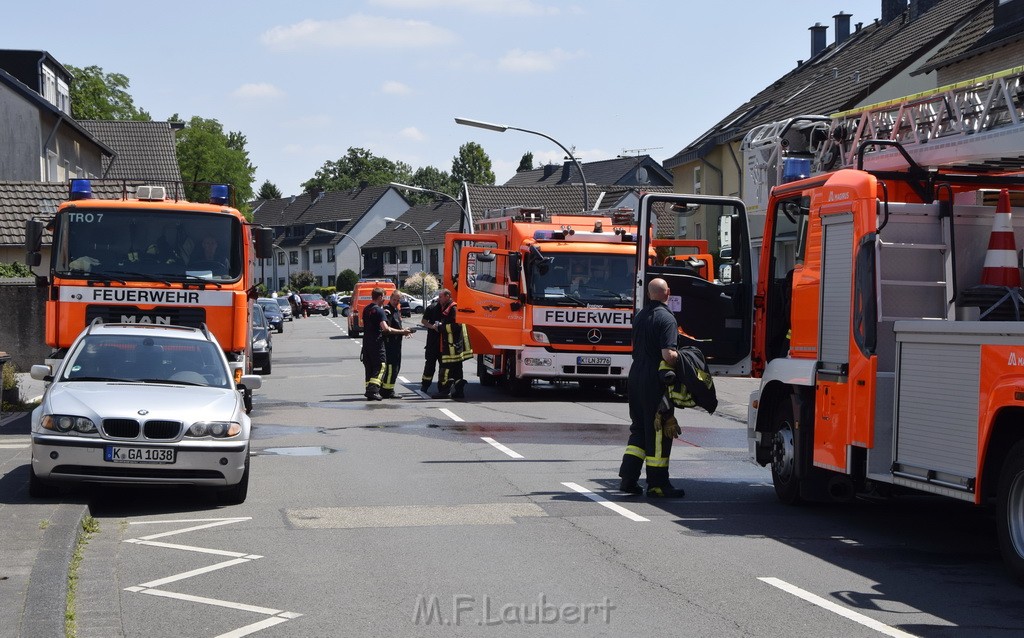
21, 201
620, 170
44, 105
144, 150
431, 221
841, 76
978, 36
326, 207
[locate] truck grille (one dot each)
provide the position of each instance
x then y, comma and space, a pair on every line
161, 315
162, 429
578, 336
121, 428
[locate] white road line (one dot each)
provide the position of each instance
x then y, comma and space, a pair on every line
615, 507
194, 572
403, 379
509, 451
216, 523
253, 628
13, 446
189, 548
451, 415
423, 395
210, 601
837, 609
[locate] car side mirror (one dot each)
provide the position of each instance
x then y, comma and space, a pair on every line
41, 372
251, 381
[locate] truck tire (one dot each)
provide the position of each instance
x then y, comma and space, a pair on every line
518, 387
1010, 511
487, 379
787, 485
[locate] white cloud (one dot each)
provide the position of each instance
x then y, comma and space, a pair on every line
519, 61
257, 91
412, 133
392, 87
356, 32
503, 7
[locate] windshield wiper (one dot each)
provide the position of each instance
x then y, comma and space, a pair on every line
574, 298
141, 275
88, 274
199, 279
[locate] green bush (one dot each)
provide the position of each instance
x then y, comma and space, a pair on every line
14, 269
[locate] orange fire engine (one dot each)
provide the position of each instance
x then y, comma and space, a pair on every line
144, 257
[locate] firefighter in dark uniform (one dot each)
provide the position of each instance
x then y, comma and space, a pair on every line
392, 345
454, 347
655, 335
432, 351
373, 355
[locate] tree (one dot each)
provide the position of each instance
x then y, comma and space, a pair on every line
301, 280
268, 191
359, 167
346, 280
436, 180
207, 154
96, 95
526, 163
472, 165
14, 269
414, 285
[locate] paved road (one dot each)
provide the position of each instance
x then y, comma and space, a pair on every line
421, 517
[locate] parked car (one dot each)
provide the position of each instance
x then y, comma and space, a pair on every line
262, 344
314, 304
415, 303
345, 305
286, 307
141, 404
273, 313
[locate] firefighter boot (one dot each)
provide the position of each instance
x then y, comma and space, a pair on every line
443, 391
424, 387
458, 390
629, 471
373, 392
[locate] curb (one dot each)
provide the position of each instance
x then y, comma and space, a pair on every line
46, 600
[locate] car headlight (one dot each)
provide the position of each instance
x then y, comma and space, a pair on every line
64, 423
215, 429
260, 344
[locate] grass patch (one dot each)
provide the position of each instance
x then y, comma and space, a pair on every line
43, 524
90, 526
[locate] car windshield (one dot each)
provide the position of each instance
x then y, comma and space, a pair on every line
270, 307
150, 359
311, 297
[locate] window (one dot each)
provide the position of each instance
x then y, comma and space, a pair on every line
280, 258
489, 276
63, 97
319, 281
49, 85
330, 280
330, 255
373, 255
417, 257
293, 257
403, 256
317, 256
280, 283
51, 167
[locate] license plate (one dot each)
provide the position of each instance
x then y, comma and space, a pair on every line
593, 361
121, 454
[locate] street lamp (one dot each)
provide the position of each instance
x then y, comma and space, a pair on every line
423, 255
359, 250
501, 128
420, 189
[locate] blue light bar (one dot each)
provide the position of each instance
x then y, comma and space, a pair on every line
80, 189
219, 194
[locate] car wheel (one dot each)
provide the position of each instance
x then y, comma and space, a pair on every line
280, 328
38, 488
265, 370
235, 494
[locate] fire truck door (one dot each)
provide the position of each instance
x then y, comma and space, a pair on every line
832, 386
453, 245
488, 299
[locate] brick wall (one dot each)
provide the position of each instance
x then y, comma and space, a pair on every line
22, 323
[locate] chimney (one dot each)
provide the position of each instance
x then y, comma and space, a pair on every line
817, 38
842, 26
920, 7
549, 170
892, 9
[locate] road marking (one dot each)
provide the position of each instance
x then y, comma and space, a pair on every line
276, 615
13, 446
451, 415
615, 507
510, 452
837, 609
403, 379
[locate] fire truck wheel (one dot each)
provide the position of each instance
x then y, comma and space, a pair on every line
1010, 516
487, 379
787, 486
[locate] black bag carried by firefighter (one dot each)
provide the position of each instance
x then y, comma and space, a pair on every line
690, 382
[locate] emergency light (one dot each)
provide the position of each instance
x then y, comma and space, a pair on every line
80, 189
219, 194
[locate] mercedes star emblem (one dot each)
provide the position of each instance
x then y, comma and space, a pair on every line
594, 336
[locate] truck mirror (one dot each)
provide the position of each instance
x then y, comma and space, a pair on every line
486, 256
515, 264
264, 243
33, 242
513, 291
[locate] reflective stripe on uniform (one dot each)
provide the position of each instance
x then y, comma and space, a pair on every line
638, 452
388, 377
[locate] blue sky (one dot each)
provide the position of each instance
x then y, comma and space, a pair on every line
306, 80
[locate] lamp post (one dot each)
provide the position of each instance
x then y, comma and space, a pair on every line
501, 128
420, 189
423, 255
359, 250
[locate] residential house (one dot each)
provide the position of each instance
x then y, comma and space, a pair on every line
323, 232
641, 170
992, 40
870, 63
416, 244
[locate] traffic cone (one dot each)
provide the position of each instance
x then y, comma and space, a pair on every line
1001, 259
